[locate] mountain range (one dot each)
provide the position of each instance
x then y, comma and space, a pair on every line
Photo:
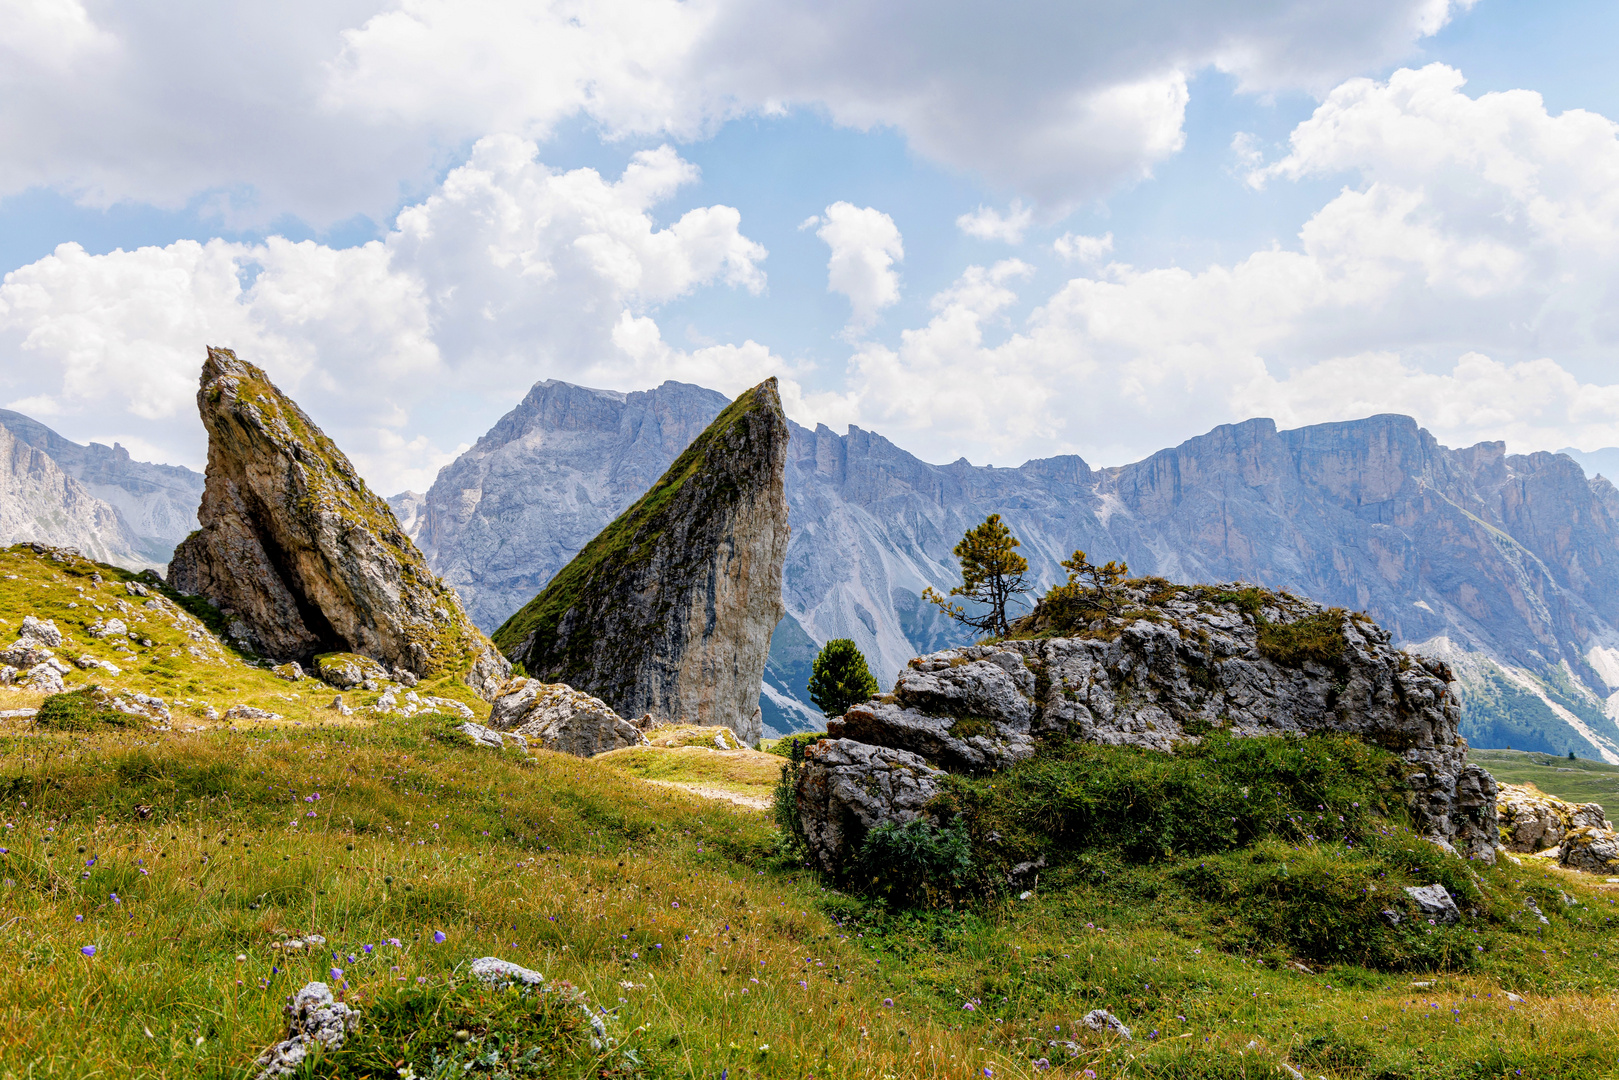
1505, 565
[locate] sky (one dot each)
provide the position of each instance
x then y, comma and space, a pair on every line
992, 231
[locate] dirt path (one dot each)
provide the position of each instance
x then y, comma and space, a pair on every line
752, 802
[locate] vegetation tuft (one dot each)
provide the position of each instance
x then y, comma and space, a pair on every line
79, 710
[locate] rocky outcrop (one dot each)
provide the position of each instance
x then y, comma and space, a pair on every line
314, 1019
297, 549
557, 717
670, 609
1594, 849
967, 709
846, 788
1530, 820
1180, 662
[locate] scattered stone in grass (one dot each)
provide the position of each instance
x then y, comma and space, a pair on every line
1102, 1020
314, 1018
1435, 902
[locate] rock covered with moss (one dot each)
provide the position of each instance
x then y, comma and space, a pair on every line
1161, 665
1530, 820
669, 610
296, 549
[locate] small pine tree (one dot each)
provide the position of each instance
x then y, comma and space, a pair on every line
992, 573
1091, 591
839, 678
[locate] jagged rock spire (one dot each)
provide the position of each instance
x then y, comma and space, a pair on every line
303, 555
669, 610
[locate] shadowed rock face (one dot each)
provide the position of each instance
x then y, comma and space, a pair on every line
669, 610
298, 549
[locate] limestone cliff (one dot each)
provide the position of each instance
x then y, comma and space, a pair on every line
156, 505
297, 548
670, 609
42, 502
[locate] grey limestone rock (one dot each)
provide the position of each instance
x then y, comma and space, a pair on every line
847, 788
345, 671
295, 547
557, 717
1530, 820
498, 973
44, 678
670, 609
1594, 849
1102, 1020
313, 1018
1183, 661
482, 736
1434, 901
969, 709
42, 631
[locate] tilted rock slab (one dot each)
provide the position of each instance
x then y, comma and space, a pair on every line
297, 548
557, 717
1530, 820
669, 610
1189, 665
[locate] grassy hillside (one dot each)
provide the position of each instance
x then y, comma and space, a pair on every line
183, 857
179, 651
1581, 780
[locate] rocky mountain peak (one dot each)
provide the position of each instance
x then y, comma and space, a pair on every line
669, 610
299, 550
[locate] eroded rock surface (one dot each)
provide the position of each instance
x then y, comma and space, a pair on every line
296, 549
313, 1018
968, 709
1530, 820
847, 788
670, 609
1183, 661
557, 717
1594, 849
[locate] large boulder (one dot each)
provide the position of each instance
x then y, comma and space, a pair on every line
1530, 820
847, 788
301, 556
1179, 662
557, 717
669, 610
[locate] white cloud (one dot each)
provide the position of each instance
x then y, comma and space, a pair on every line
865, 246
988, 223
1076, 247
327, 109
507, 273
1466, 279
